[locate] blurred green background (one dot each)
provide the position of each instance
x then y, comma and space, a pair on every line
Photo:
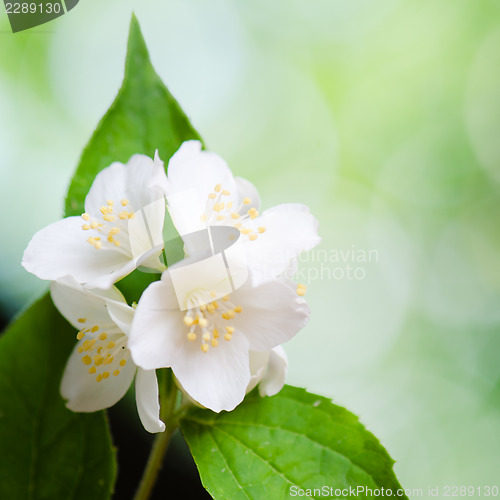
383, 116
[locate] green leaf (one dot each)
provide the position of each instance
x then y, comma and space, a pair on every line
273, 447
47, 451
143, 118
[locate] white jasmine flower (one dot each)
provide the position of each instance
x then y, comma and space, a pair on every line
99, 370
201, 191
121, 228
211, 346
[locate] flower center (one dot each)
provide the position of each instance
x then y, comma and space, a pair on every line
106, 228
103, 353
204, 322
217, 211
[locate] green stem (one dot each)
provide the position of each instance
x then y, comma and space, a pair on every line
168, 397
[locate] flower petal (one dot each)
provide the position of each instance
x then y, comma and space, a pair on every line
289, 230
121, 314
84, 393
153, 341
274, 378
258, 365
146, 396
247, 190
271, 314
139, 181
61, 249
216, 379
83, 308
191, 169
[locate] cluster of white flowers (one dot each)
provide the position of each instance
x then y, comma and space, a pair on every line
217, 318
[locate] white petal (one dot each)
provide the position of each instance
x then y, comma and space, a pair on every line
258, 366
272, 313
138, 181
217, 379
84, 393
61, 249
290, 230
247, 190
121, 314
146, 396
274, 378
158, 322
191, 169
81, 307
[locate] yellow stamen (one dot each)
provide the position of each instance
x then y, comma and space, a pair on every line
238, 309
217, 188
109, 218
212, 196
92, 370
188, 320
203, 322
105, 375
94, 329
110, 345
86, 216
261, 229
191, 336
98, 359
80, 335
235, 215
225, 192
301, 290
123, 215
116, 373
228, 336
85, 227
215, 333
247, 201
206, 336
124, 202
253, 213
229, 329
252, 237
123, 362
86, 360
204, 348
98, 378
214, 342
82, 320
103, 336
